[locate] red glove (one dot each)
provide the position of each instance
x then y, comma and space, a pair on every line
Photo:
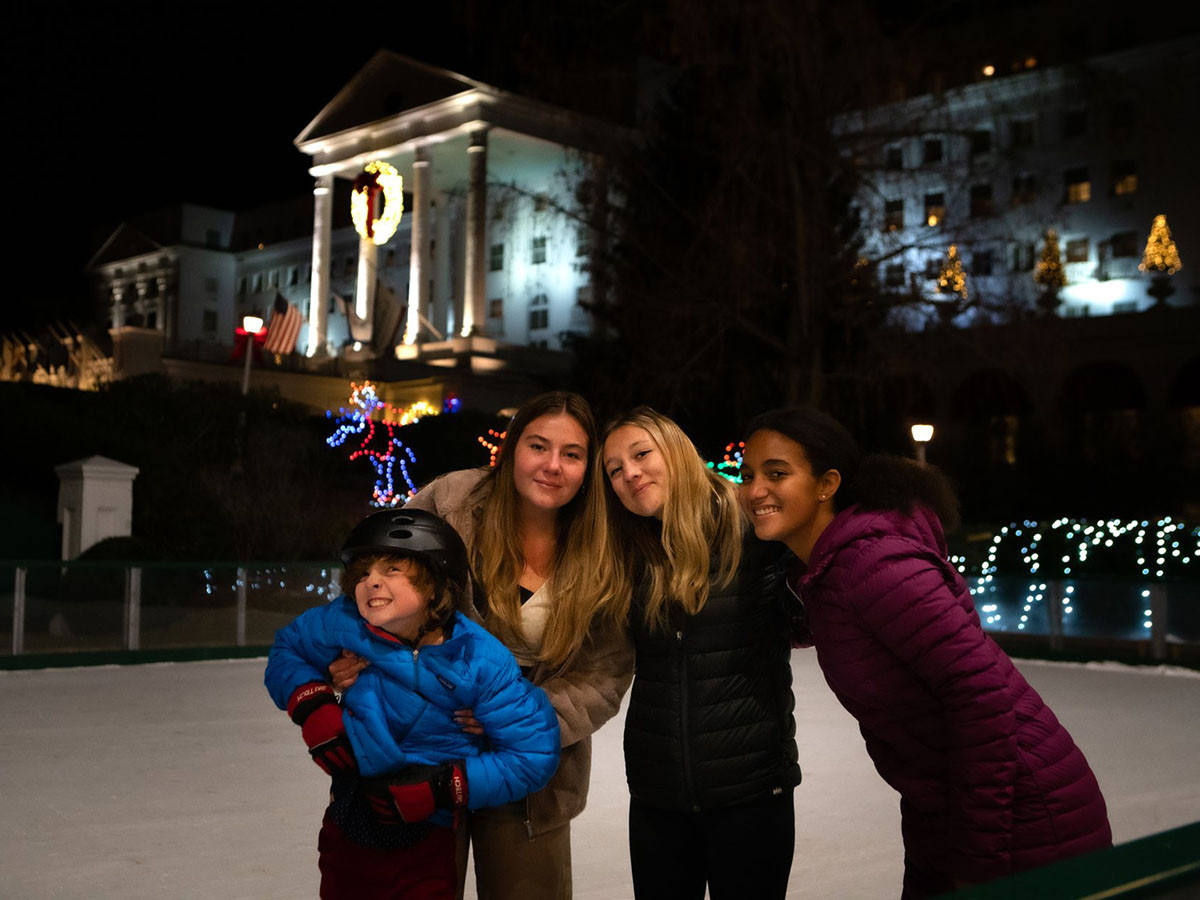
414, 793
315, 709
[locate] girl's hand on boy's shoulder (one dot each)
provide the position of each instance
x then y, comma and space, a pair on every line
344, 670
465, 719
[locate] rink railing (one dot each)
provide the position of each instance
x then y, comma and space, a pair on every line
104, 606
65, 607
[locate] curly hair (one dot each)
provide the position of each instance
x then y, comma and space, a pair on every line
875, 481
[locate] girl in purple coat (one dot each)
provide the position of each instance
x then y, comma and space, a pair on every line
990, 783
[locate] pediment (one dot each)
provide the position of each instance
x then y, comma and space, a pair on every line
389, 84
123, 243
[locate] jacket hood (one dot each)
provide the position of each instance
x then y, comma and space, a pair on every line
854, 524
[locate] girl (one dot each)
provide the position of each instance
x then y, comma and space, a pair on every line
535, 529
710, 754
401, 765
989, 781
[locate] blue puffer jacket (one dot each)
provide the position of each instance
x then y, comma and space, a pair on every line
399, 711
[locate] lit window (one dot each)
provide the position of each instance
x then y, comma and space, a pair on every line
1078, 187
893, 215
496, 308
1124, 177
539, 250
496, 258
935, 209
1077, 250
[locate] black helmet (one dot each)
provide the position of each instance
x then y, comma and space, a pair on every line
410, 532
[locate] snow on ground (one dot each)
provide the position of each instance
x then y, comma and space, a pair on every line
183, 781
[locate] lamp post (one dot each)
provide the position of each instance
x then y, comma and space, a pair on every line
921, 435
252, 325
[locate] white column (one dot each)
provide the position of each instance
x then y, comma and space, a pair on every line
443, 286
418, 262
162, 306
476, 271
364, 293
118, 306
318, 309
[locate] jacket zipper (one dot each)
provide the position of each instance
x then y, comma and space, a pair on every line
683, 724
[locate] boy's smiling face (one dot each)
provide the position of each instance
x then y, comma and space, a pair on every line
388, 598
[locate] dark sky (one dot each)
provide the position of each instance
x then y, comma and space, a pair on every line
115, 111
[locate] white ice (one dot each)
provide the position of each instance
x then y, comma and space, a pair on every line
183, 781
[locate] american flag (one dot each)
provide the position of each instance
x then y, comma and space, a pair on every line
284, 327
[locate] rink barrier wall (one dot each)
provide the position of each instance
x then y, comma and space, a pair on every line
1163, 866
101, 612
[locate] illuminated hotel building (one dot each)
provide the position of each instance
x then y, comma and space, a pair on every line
1092, 150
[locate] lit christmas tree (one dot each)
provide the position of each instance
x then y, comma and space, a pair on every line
1162, 259
953, 278
1160, 255
1049, 274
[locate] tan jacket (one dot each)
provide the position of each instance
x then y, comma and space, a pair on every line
586, 691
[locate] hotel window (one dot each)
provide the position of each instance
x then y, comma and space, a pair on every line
1077, 187
1023, 255
982, 262
1077, 250
258, 283
1020, 133
496, 258
981, 142
539, 250
1122, 119
933, 151
210, 285
1124, 177
1074, 123
982, 204
273, 278
496, 308
894, 276
893, 158
540, 203
893, 215
1024, 189
208, 321
293, 275
539, 318
242, 286
935, 209
1125, 244
933, 267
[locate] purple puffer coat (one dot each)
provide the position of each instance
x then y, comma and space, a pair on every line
990, 782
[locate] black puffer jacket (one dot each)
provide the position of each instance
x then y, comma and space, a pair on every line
710, 714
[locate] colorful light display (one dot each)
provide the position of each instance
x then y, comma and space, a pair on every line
1161, 254
730, 467
953, 278
359, 421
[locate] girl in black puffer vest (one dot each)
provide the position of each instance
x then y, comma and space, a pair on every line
710, 753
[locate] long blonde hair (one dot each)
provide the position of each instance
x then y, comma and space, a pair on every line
701, 520
585, 571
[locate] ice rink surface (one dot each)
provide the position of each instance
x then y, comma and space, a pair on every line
181, 780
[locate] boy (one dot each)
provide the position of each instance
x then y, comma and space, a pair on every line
401, 766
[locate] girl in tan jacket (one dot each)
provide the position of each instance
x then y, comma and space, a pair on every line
535, 528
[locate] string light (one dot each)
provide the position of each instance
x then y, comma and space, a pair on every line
1049, 272
492, 446
360, 421
730, 467
378, 179
1103, 546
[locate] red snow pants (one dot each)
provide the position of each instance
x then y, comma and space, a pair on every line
424, 871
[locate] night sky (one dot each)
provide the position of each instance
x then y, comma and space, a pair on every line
117, 111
